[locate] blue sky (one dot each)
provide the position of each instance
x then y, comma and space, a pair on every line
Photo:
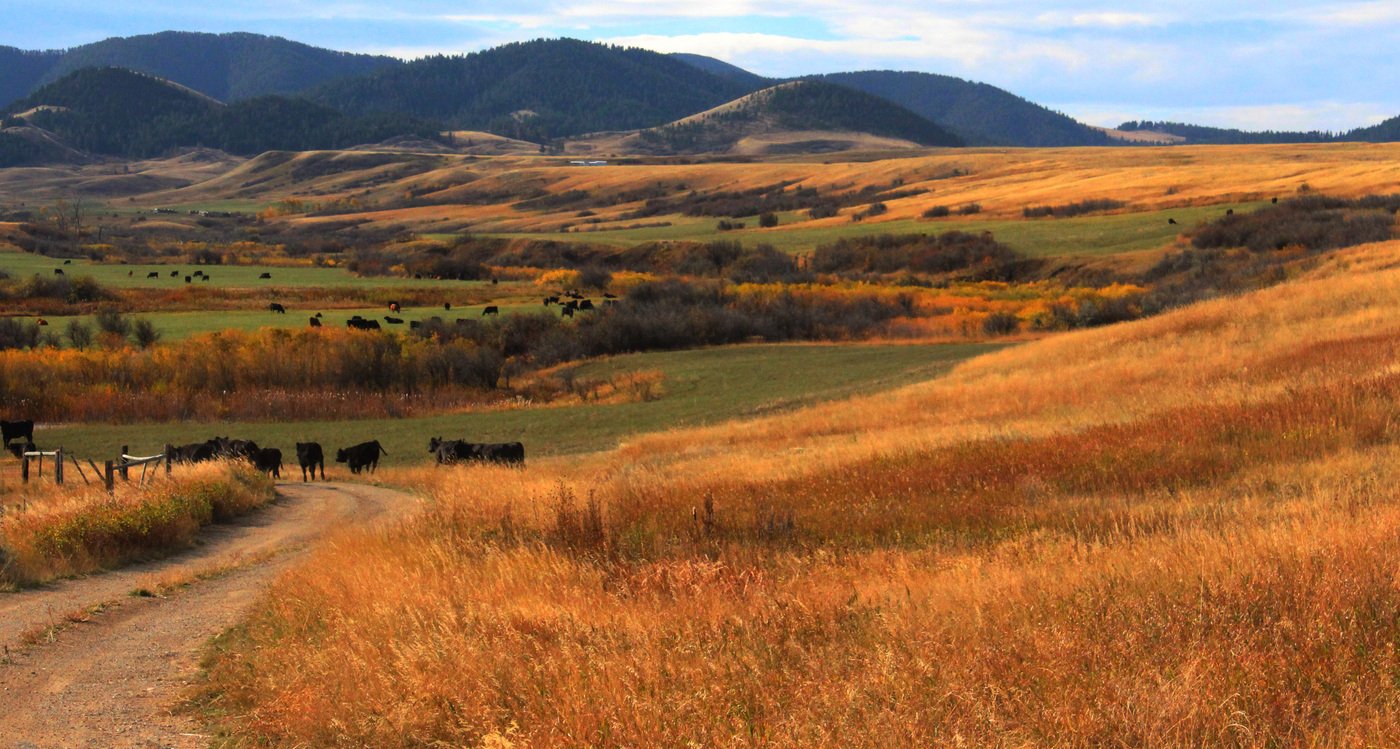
1285, 64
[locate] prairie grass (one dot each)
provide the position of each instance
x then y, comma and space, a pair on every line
60, 531
1178, 531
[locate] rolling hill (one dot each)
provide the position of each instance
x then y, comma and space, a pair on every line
980, 113
228, 67
118, 112
539, 90
1206, 135
800, 116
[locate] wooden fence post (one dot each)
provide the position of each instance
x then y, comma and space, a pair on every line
109, 478
24, 470
168, 451
58, 467
125, 452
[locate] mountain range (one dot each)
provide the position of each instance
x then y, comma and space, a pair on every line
245, 92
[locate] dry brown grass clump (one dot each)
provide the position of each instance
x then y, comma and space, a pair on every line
69, 530
1179, 531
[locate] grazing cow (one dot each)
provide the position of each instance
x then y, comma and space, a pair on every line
393, 320
358, 323
230, 448
1274, 201
363, 455
510, 453
447, 306
206, 277
174, 274
490, 309
309, 456
1171, 221
609, 296
58, 271
585, 304
129, 273
394, 307
571, 304
566, 311
318, 315
265, 276
195, 452
42, 321
153, 274
315, 323
188, 279
67, 262
1229, 211
268, 460
551, 300
279, 309
13, 430
20, 448
199, 274
448, 452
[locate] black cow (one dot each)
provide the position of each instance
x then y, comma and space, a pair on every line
585, 304
195, 452
551, 300
58, 271
188, 279
609, 296
572, 304
451, 451
174, 274
153, 274
510, 453
1274, 201
358, 323
490, 309
566, 311
67, 262
309, 455
315, 323
279, 309
13, 430
265, 276
365, 454
1171, 221
268, 460
447, 306
20, 448
231, 448
393, 320
1229, 211
415, 324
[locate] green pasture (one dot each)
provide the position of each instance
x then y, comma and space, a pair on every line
21, 265
177, 326
1042, 237
699, 387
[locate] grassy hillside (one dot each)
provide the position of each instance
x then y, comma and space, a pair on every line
983, 115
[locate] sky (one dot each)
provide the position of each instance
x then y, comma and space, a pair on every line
1282, 65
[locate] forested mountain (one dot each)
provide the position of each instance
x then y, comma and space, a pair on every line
798, 106
227, 67
20, 71
539, 90
122, 113
1202, 134
752, 81
1384, 132
980, 113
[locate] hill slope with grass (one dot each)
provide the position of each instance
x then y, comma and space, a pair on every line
980, 113
818, 112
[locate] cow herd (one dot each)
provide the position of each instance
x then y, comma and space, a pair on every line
448, 452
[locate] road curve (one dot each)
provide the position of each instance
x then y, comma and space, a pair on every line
110, 678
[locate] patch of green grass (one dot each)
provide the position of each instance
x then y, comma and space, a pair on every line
177, 326
23, 264
699, 387
1051, 237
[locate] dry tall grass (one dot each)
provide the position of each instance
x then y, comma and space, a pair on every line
68, 530
1179, 531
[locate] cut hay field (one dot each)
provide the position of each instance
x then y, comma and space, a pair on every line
695, 387
1175, 531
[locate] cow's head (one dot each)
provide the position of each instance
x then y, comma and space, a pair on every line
340, 456
434, 443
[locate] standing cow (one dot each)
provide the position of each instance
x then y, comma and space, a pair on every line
309, 456
13, 430
363, 455
268, 460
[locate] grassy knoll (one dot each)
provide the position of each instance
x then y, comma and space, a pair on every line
1179, 531
1082, 236
23, 264
699, 387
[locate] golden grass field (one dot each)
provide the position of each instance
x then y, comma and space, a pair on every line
1176, 531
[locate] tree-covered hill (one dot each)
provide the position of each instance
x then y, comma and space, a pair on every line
123, 113
539, 90
982, 114
751, 81
798, 106
228, 67
1206, 135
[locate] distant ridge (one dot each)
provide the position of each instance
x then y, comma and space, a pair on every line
981, 114
752, 81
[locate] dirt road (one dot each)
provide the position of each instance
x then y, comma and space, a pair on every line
108, 666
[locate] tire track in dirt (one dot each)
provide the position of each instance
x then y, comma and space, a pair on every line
111, 678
